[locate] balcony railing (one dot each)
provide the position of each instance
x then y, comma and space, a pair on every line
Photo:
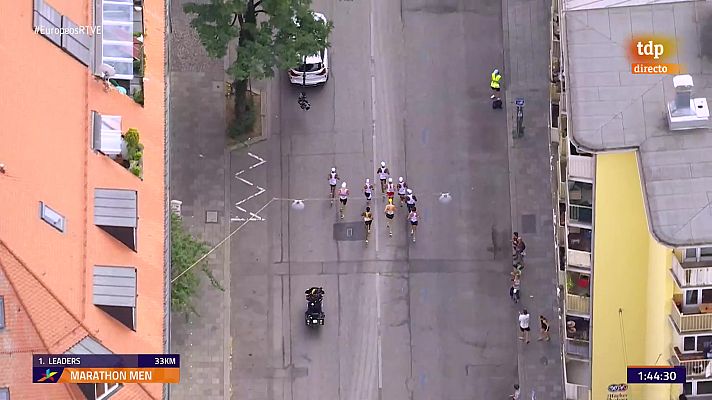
581, 259
691, 274
578, 304
581, 215
577, 348
690, 322
695, 364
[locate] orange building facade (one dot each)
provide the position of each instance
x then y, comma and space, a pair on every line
83, 260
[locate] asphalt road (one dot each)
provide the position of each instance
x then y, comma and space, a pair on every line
428, 320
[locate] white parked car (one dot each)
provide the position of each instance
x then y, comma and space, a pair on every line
316, 69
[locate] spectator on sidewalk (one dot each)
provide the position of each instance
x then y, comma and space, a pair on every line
524, 325
544, 332
515, 239
515, 396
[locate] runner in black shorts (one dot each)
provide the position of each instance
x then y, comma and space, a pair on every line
390, 213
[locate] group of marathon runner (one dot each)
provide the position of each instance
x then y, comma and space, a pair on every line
388, 189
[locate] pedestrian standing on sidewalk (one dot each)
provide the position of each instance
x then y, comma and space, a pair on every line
516, 394
544, 329
524, 325
496, 102
514, 289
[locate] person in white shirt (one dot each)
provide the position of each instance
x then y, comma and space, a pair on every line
515, 396
333, 177
383, 175
368, 189
343, 198
402, 187
524, 325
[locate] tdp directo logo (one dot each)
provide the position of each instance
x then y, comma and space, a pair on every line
650, 54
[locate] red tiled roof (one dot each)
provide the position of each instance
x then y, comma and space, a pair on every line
38, 322
58, 329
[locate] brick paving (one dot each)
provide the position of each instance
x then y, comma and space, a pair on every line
198, 179
527, 43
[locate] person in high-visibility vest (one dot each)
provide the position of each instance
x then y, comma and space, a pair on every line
494, 83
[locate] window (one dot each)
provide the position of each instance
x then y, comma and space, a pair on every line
61, 31
706, 253
105, 390
691, 297
703, 341
690, 254
2, 315
696, 254
4, 393
115, 48
704, 387
52, 217
688, 343
106, 133
707, 295
687, 388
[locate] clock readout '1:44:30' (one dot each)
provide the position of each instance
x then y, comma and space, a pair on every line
656, 374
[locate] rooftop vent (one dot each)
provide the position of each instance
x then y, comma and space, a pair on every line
685, 112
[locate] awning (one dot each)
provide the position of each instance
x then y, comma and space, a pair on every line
115, 212
88, 346
106, 133
114, 291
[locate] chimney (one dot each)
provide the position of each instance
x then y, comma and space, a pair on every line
683, 96
685, 112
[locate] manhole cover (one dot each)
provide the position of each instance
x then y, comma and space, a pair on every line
349, 231
211, 217
528, 223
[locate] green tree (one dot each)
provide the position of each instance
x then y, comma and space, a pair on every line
185, 251
286, 32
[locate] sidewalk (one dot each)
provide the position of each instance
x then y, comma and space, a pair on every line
526, 74
199, 178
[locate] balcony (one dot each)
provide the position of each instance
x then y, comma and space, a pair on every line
694, 363
578, 304
688, 274
580, 239
578, 292
580, 203
581, 168
579, 259
690, 322
577, 349
577, 337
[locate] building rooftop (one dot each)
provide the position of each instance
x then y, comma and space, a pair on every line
612, 109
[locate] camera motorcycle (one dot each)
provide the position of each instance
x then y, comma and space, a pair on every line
314, 315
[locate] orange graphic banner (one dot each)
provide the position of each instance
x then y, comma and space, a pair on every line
653, 69
120, 375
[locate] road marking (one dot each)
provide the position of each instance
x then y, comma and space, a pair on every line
260, 190
373, 100
378, 318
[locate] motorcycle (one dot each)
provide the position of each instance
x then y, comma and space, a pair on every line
314, 315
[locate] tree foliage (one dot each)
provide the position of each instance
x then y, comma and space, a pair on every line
185, 251
285, 32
